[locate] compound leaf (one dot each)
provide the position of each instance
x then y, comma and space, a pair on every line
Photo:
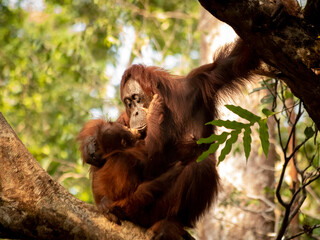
222, 137
227, 124
227, 148
247, 141
252, 118
267, 112
264, 136
212, 149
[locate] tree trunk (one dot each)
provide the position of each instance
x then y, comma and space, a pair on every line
244, 210
284, 37
34, 206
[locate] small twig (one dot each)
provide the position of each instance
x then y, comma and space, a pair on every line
279, 197
70, 175
298, 206
307, 229
309, 165
293, 206
313, 194
274, 104
297, 148
293, 128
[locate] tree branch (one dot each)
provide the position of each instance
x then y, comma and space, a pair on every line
287, 43
312, 13
34, 206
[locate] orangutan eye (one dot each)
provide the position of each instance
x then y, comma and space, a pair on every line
128, 102
137, 98
123, 142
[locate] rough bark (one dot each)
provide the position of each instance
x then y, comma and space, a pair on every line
34, 206
283, 37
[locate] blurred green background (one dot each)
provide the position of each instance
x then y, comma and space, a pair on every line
61, 63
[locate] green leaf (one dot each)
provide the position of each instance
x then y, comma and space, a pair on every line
227, 148
252, 118
267, 82
264, 136
267, 112
288, 94
309, 132
227, 124
258, 89
267, 99
247, 141
220, 138
212, 149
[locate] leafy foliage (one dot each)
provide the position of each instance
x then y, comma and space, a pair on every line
229, 138
53, 62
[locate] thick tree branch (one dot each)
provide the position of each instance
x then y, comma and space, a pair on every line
34, 206
286, 42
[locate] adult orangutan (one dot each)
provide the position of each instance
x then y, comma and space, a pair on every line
189, 102
121, 190
174, 190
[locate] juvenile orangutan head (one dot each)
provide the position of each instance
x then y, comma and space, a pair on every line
136, 101
115, 136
